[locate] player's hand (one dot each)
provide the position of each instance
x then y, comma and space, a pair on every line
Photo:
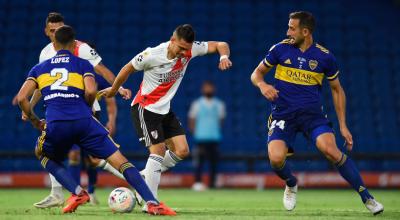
225, 64
107, 92
39, 124
348, 138
125, 93
111, 128
268, 91
24, 117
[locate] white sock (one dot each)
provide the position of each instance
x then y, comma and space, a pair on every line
106, 166
78, 190
152, 172
170, 160
56, 188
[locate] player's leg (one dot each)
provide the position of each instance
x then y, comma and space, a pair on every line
100, 163
74, 163
133, 177
277, 152
212, 154
198, 161
175, 138
101, 145
326, 143
281, 133
91, 170
56, 197
52, 148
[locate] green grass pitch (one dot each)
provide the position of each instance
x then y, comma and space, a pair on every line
213, 204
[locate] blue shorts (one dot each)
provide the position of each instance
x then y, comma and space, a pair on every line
59, 137
311, 122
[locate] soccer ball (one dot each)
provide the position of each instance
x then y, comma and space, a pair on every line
121, 200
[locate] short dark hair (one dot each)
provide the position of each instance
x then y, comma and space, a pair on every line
306, 19
185, 32
64, 35
54, 17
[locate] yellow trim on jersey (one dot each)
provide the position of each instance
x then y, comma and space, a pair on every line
285, 41
44, 161
332, 77
40, 141
267, 63
298, 76
112, 140
74, 80
323, 49
32, 78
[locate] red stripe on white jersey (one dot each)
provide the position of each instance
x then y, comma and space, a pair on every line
162, 89
77, 45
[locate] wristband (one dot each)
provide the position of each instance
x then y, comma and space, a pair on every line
223, 57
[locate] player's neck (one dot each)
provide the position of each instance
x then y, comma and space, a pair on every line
306, 44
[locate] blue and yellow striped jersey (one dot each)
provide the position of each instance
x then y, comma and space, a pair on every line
299, 75
60, 80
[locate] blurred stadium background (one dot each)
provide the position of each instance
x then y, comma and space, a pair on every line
363, 35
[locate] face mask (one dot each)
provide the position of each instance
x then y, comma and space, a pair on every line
209, 95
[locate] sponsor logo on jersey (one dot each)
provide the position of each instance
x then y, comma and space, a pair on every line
288, 61
154, 134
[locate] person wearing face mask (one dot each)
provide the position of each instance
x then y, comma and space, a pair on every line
206, 116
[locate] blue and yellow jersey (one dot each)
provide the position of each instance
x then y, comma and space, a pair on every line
299, 75
60, 80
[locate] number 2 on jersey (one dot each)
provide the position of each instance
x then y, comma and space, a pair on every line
64, 77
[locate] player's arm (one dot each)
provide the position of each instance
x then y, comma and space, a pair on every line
90, 88
112, 111
23, 95
339, 101
257, 78
223, 50
34, 100
102, 70
121, 78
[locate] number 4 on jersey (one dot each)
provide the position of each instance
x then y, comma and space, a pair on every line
280, 124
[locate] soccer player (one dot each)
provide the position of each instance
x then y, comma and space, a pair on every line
82, 50
157, 126
69, 90
301, 65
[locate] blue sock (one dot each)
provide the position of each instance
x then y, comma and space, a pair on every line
92, 176
285, 174
349, 172
133, 177
61, 174
74, 168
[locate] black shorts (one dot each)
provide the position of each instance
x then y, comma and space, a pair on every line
153, 128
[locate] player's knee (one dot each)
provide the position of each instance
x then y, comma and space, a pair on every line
332, 153
74, 157
276, 160
38, 152
182, 152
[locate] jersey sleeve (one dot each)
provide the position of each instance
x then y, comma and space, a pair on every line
89, 54
87, 69
199, 48
33, 74
272, 59
331, 70
41, 56
141, 60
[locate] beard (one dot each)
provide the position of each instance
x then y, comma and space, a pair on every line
296, 42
